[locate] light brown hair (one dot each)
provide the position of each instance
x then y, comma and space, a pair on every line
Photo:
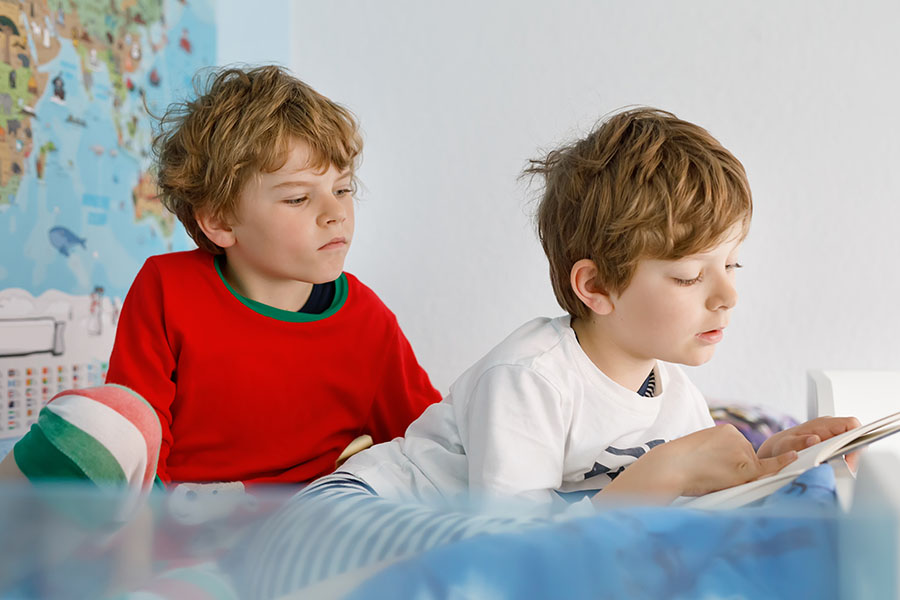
241, 124
642, 184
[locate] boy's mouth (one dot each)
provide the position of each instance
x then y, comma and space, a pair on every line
713, 336
338, 242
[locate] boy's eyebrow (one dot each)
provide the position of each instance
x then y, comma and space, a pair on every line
302, 182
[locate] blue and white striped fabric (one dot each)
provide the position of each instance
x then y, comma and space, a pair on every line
785, 548
338, 524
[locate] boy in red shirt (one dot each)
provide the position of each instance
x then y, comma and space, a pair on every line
260, 357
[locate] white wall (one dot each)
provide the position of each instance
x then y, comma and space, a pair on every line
455, 96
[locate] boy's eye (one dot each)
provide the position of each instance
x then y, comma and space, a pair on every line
295, 201
344, 192
692, 281
733, 266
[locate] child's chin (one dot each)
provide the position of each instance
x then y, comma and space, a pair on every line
332, 276
329, 275
696, 361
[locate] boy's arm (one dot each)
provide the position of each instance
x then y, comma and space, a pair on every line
404, 391
514, 431
141, 357
704, 461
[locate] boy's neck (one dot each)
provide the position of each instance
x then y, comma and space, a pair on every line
627, 370
289, 295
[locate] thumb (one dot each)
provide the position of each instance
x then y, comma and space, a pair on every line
769, 466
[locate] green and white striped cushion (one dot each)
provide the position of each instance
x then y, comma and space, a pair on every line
106, 435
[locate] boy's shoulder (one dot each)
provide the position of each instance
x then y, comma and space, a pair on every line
177, 276
542, 344
185, 260
534, 337
358, 286
361, 295
174, 270
540, 350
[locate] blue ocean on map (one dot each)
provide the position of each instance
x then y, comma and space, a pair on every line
88, 177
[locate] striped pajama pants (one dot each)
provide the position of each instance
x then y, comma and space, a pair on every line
338, 524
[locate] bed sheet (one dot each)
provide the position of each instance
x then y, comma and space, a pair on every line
781, 548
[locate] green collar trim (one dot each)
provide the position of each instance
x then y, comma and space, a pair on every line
340, 296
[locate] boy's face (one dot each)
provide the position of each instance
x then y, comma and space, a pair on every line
677, 310
294, 224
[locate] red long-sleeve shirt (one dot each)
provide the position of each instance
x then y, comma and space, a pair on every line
247, 392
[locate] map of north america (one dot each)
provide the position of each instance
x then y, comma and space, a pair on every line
78, 208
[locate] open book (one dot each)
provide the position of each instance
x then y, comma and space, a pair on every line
813, 456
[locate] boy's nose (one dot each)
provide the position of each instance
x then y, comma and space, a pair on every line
724, 295
332, 212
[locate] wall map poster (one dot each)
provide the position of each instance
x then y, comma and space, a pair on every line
78, 212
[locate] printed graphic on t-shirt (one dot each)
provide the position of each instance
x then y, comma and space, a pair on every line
619, 464
618, 459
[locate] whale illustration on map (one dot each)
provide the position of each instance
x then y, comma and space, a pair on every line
63, 240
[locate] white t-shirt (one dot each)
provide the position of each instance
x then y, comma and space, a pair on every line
534, 418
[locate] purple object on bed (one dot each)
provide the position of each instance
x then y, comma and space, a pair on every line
755, 422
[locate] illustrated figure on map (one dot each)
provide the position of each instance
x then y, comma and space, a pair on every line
59, 88
95, 324
64, 240
184, 42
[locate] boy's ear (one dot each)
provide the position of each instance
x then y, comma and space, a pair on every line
217, 229
586, 284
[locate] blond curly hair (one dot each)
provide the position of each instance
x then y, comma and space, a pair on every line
243, 124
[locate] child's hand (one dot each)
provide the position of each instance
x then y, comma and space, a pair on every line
702, 462
719, 457
806, 434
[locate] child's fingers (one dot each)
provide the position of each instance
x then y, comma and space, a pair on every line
847, 423
826, 427
769, 466
796, 442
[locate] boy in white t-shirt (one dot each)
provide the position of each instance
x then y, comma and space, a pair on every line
642, 221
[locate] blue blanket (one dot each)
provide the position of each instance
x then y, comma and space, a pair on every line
785, 547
